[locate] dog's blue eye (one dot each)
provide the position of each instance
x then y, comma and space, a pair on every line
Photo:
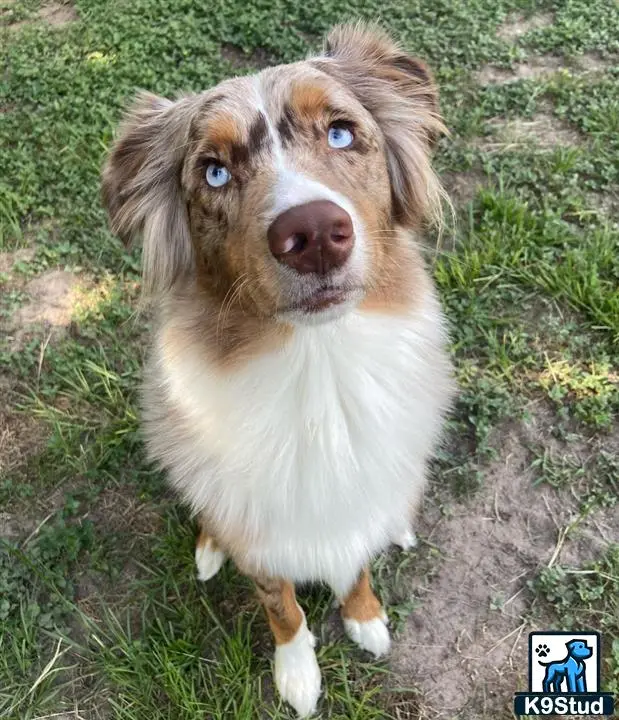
340, 137
217, 175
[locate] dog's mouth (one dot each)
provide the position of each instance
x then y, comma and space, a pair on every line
323, 299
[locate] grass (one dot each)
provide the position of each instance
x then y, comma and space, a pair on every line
100, 613
587, 596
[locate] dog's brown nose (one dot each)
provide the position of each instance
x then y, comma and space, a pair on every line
313, 238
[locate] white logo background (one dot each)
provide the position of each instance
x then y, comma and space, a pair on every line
557, 652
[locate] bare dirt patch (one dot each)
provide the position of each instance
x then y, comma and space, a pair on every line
20, 436
463, 187
50, 301
53, 296
119, 510
9, 259
607, 203
130, 523
465, 647
592, 62
541, 66
543, 129
518, 25
242, 61
532, 69
57, 14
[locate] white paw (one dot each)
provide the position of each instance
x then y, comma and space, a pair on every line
371, 635
407, 540
208, 561
297, 674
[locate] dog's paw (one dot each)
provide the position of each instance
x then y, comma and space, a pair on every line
297, 674
208, 561
371, 635
407, 540
542, 650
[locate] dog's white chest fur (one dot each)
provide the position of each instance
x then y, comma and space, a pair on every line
317, 450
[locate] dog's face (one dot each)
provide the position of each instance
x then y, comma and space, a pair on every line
283, 193
579, 649
277, 183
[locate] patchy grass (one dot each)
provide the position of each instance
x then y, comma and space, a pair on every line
100, 612
587, 597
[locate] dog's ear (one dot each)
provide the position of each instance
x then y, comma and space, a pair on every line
141, 188
401, 94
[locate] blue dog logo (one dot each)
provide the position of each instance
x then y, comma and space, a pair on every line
564, 687
572, 669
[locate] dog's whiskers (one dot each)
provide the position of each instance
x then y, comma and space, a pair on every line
222, 315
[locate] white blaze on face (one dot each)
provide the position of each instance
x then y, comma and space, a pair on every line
293, 188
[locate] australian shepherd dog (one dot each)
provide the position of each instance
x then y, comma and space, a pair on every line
299, 374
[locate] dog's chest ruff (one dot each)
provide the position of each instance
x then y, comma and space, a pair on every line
316, 450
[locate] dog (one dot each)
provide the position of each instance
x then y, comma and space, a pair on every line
300, 373
572, 669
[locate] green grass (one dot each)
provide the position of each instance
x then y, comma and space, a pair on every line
99, 607
587, 597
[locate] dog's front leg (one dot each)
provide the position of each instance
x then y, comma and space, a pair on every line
209, 556
404, 536
570, 678
364, 618
297, 675
406, 539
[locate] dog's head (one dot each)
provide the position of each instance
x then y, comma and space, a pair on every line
579, 649
285, 192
